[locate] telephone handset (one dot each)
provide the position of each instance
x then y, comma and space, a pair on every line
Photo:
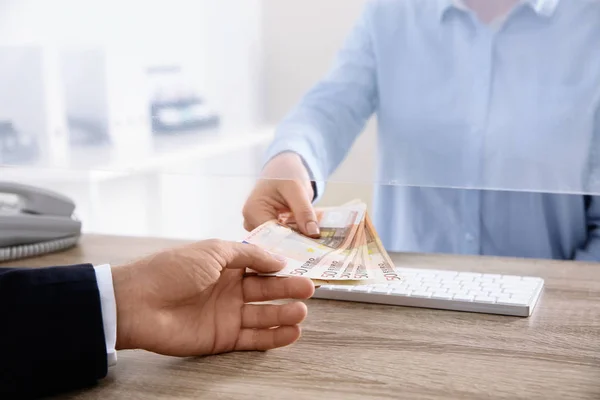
39, 222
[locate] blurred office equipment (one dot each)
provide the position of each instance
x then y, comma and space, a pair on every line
16, 147
32, 105
106, 97
35, 221
86, 95
175, 104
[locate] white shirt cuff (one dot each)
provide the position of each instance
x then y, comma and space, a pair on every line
109, 311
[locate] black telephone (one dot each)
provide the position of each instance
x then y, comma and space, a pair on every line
38, 222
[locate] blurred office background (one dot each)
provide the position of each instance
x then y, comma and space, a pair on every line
154, 115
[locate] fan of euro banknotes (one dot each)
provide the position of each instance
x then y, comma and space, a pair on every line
349, 251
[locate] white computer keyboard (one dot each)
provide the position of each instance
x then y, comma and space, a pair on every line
447, 290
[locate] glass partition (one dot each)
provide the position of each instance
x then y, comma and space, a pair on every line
495, 106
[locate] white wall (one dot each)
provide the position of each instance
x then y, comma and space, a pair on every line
301, 39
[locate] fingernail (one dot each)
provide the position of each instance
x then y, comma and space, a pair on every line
280, 258
312, 228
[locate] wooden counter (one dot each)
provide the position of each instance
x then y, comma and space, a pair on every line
361, 351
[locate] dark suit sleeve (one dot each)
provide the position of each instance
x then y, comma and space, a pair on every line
51, 332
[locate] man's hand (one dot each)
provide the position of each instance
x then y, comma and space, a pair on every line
285, 187
193, 301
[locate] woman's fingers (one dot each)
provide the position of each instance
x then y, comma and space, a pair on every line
271, 315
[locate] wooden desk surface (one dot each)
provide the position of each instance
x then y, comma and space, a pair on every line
359, 351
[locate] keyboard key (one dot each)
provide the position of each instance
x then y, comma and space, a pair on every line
510, 291
511, 278
520, 292
491, 286
380, 285
453, 290
408, 275
475, 293
503, 296
451, 284
493, 276
407, 284
442, 296
445, 275
469, 275
513, 302
518, 283
523, 299
400, 292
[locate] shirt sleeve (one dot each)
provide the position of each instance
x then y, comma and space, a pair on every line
109, 310
591, 251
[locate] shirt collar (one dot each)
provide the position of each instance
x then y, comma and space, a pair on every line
544, 8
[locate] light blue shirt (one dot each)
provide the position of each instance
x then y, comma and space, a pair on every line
462, 104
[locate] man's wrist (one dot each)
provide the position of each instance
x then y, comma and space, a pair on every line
290, 162
281, 162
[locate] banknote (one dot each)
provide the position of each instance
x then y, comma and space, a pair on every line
377, 254
349, 250
374, 253
337, 224
323, 258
